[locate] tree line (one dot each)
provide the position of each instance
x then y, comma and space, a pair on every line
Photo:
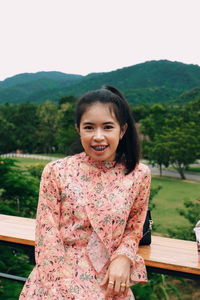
170, 134
38, 128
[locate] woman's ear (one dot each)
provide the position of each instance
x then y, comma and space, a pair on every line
123, 130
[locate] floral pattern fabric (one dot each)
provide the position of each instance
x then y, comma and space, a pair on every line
88, 213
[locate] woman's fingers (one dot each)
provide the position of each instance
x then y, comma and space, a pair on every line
110, 286
104, 281
116, 286
117, 276
122, 287
126, 288
116, 289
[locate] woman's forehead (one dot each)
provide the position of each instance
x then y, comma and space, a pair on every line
99, 111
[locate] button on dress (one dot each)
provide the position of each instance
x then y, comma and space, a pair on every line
89, 212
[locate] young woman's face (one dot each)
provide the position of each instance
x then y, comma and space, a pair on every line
100, 132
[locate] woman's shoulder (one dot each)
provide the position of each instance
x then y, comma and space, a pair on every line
143, 168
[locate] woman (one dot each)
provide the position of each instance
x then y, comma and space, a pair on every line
91, 209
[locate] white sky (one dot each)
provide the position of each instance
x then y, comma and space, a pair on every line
85, 36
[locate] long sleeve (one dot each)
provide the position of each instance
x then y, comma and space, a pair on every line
134, 229
50, 258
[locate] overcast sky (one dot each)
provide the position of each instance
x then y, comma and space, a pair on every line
85, 36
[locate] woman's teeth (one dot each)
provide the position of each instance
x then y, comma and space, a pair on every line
99, 148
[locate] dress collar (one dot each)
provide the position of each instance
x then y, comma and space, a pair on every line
102, 165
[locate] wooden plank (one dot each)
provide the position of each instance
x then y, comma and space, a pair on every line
171, 254
164, 253
17, 230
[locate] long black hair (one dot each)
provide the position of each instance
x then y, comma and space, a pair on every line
128, 150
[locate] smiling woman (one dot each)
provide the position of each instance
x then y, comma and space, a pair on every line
92, 208
107, 109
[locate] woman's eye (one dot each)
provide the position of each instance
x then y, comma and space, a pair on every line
88, 127
108, 127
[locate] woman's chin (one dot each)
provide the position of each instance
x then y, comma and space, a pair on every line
101, 155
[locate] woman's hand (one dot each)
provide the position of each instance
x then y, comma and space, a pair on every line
117, 276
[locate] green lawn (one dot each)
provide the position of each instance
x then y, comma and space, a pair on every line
171, 197
189, 169
26, 162
194, 169
53, 155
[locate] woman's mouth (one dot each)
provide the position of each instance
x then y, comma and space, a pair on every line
99, 148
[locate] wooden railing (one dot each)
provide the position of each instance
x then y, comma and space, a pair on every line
164, 255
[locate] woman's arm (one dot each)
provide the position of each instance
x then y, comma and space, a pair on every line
126, 266
134, 227
49, 249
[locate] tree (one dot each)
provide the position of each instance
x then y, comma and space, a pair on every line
18, 196
191, 213
178, 147
48, 125
18, 127
153, 124
158, 153
66, 135
172, 136
184, 148
67, 99
7, 138
140, 112
19, 190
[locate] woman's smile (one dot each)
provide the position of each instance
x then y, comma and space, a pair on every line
99, 149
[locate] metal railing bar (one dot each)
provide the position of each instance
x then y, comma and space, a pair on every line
13, 277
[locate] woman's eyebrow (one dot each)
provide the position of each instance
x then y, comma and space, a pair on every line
104, 123
88, 123
107, 123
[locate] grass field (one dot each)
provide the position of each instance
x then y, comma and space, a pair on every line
171, 197
53, 155
194, 169
26, 162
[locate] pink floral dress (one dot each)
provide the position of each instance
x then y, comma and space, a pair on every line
88, 213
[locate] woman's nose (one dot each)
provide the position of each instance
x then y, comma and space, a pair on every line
98, 134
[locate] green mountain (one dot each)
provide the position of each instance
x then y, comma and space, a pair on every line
190, 95
150, 82
35, 87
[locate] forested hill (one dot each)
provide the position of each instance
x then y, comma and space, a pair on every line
150, 82
191, 95
35, 87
